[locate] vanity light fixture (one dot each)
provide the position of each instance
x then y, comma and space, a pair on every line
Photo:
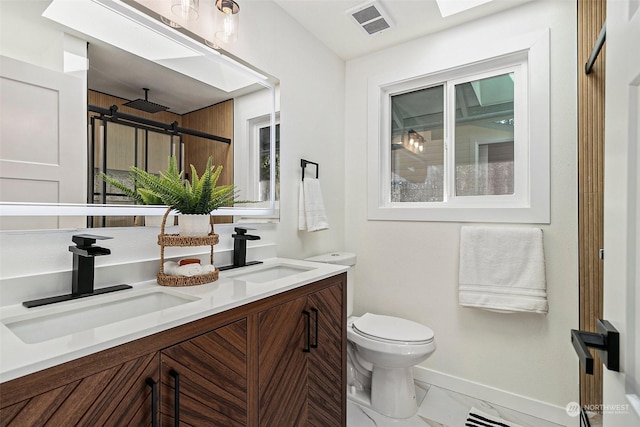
227, 20
415, 142
186, 9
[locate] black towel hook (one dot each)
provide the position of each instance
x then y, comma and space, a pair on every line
303, 165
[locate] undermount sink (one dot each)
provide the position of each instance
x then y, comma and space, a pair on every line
267, 273
59, 321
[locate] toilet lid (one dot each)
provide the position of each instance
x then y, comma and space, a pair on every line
392, 328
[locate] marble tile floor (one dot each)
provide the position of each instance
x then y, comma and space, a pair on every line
441, 408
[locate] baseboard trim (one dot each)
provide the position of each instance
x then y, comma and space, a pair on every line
533, 407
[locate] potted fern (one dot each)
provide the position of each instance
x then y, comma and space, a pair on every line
134, 190
193, 200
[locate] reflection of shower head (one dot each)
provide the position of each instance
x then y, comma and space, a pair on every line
145, 104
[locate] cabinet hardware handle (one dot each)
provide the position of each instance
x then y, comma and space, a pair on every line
315, 311
176, 398
307, 349
154, 401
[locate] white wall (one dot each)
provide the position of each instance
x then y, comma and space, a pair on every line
26, 40
410, 269
312, 91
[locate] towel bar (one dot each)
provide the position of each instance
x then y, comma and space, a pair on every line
606, 341
303, 165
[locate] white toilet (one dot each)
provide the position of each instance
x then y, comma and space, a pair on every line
381, 353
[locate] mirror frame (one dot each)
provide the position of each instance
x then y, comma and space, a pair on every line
189, 40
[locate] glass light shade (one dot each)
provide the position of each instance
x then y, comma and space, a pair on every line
186, 9
169, 22
227, 20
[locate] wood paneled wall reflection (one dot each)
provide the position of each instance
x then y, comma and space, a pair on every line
216, 119
591, 92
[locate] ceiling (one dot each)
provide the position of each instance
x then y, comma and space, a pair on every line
329, 21
118, 73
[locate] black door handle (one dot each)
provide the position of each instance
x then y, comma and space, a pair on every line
176, 397
154, 401
307, 349
315, 311
606, 341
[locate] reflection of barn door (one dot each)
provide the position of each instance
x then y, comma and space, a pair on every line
42, 138
621, 391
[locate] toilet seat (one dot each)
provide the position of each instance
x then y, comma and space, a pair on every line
392, 330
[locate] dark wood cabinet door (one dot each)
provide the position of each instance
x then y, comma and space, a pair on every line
210, 372
326, 368
300, 387
118, 396
282, 365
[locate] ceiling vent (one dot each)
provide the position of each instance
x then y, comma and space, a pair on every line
371, 17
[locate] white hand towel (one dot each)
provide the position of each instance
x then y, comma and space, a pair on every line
302, 220
502, 269
169, 268
189, 270
209, 268
312, 215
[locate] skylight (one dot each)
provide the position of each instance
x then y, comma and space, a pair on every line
451, 7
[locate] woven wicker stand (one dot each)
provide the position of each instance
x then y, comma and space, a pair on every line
165, 240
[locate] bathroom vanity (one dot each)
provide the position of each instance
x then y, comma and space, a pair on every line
262, 346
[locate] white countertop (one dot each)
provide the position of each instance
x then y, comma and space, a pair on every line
18, 358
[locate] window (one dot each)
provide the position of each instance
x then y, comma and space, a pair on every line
263, 133
469, 143
258, 174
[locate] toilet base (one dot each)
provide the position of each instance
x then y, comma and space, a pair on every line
393, 392
363, 397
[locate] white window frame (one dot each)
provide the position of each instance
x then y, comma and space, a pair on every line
528, 58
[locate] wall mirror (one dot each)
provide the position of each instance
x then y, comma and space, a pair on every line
151, 92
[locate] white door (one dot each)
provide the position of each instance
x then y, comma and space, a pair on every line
43, 140
621, 404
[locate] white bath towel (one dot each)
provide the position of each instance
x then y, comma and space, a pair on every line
502, 269
169, 268
478, 418
172, 268
311, 213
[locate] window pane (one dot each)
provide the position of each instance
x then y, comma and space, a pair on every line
417, 146
484, 136
265, 162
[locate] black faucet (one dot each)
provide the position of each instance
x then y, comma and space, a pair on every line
84, 254
240, 248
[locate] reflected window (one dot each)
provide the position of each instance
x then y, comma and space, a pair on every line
263, 133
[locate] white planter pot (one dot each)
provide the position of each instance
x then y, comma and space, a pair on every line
194, 225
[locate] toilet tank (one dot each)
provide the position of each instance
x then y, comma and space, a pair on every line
341, 258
